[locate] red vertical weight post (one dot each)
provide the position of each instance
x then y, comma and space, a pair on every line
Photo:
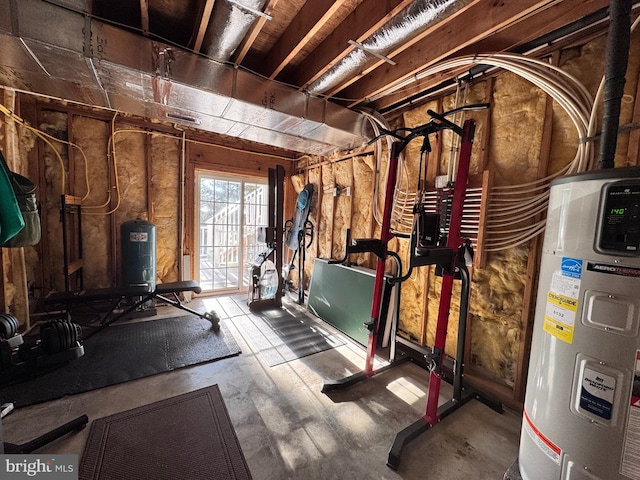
385, 236
453, 241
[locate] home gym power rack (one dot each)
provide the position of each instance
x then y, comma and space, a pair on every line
435, 240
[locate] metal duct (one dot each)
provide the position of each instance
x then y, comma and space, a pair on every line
228, 26
86, 61
411, 21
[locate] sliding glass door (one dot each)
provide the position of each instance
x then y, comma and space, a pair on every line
229, 210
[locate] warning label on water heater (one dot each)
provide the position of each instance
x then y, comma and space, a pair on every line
630, 465
550, 449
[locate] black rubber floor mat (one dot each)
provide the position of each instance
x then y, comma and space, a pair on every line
121, 353
189, 436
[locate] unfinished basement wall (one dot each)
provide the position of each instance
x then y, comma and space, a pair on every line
503, 290
121, 168
497, 298
524, 136
119, 175
16, 264
91, 135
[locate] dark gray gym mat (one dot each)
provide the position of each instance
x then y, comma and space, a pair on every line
123, 352
189, 436
285, 334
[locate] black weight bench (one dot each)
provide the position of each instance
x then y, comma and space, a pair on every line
94, 295
162, 292
166, 292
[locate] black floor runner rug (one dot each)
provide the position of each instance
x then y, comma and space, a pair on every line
189, 436
279, 334
121, 353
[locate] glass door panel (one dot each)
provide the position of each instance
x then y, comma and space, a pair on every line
230, 211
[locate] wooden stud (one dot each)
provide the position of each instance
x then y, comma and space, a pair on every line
114, 237
487, 177
486, 120
633, 149
331, 225
28, 111
148, 155
318, 213
433, 168
480, 257
182, 210
71, 166
189, 210
533, 260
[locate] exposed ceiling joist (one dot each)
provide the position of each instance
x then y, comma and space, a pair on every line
305, 46
144, 16
539, 24
367, 18
312, 17
204, 23
467, 26
247, 43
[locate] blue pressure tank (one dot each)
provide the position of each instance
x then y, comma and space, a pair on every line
138, 254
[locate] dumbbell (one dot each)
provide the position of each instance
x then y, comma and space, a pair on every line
59, 335
8, 325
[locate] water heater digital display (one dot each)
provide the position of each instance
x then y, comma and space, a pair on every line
619, 229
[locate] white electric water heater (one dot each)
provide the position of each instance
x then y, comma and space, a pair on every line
582, 407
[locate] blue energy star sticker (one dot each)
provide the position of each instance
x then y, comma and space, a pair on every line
571, 267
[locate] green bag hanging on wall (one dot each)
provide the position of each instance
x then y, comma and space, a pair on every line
24, 190
11, 220
24, 193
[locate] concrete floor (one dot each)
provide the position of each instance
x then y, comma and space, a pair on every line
288, 429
